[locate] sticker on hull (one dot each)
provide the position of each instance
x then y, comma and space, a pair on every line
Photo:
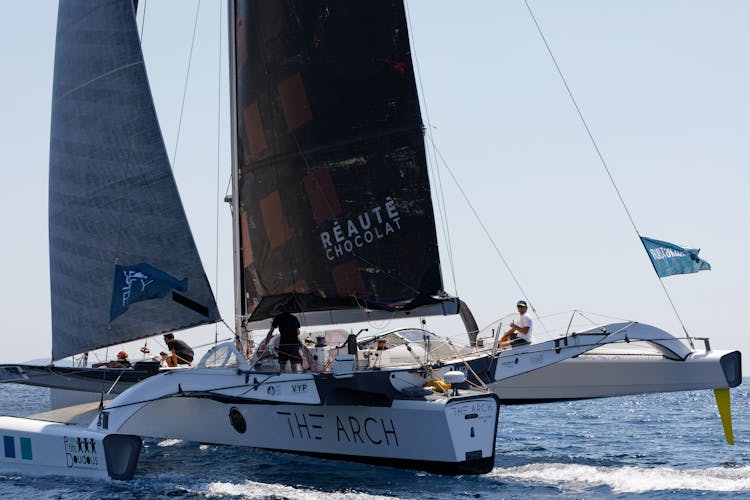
348, 428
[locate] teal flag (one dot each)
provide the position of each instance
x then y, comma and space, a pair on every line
140, 282
669, 259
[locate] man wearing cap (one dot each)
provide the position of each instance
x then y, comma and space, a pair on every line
518, 333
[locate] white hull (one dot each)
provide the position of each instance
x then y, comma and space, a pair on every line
452, 435
39, 448
601, 375
616, 359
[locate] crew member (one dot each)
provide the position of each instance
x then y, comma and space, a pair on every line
121, 362
289, 344
179, 352
518, 333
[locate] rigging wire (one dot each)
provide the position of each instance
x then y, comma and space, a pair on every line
184, 91
440, 195
143, 21
602, 161
117, 260
488, 235
442, 211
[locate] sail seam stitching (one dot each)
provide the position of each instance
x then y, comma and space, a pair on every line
103, 75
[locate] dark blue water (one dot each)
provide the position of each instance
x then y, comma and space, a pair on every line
656, 446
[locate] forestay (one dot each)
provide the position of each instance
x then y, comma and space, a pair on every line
112, 195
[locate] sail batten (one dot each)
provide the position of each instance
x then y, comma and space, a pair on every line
112, 195
334, 199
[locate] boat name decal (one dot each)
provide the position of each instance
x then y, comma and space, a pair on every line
349, 429
480, 408
362, 230
305, 425
376, 430
80, 452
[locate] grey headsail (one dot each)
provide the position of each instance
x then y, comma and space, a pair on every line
112, 195
335, 212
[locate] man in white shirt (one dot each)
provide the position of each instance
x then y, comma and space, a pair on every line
520, 333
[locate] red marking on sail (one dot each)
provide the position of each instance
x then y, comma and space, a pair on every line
321, 194
348, 279
247, 249
254, 129
274, 220
399, 66
294, 101
241, 42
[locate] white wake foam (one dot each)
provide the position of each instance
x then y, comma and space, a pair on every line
252, 489
169, 442
632, 479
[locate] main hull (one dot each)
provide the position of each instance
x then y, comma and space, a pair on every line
437, 433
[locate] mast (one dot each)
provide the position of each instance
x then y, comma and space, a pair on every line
239, 313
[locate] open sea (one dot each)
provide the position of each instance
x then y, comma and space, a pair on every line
654, 446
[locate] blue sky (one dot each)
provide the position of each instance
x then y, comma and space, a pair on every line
662, 84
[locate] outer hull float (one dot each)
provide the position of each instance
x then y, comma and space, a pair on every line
36, 447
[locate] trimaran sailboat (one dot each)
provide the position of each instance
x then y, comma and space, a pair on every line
332, 221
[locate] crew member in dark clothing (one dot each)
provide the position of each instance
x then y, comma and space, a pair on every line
289, 345
179, 352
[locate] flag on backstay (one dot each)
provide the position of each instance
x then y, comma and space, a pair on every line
140, 282
669, 259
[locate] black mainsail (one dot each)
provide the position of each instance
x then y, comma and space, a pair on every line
335, 212
112, 194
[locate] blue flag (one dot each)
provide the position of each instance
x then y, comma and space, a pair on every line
140, 282
669, 259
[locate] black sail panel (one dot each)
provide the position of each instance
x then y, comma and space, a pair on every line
335, 206
112, 195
